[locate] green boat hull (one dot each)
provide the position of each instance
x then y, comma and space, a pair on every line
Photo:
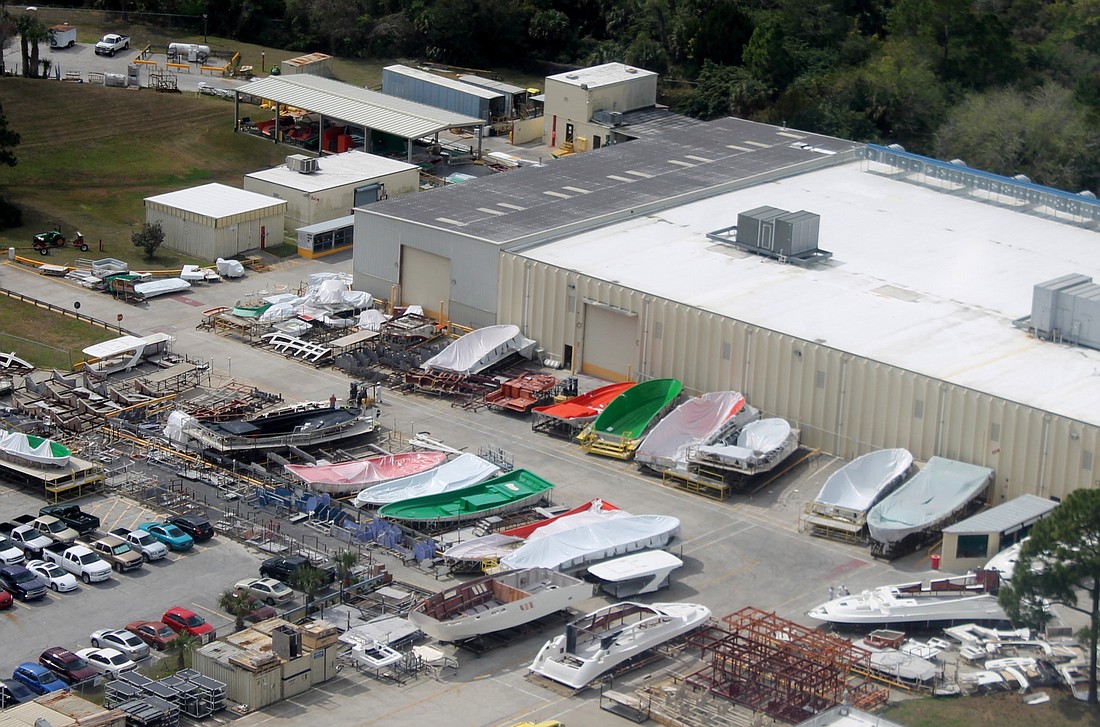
507, 493
630, 414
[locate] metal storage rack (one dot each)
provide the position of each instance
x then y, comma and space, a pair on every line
211, 691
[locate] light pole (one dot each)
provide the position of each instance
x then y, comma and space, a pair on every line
204, 16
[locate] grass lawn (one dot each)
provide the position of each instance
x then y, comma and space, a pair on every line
994, 710
45, 338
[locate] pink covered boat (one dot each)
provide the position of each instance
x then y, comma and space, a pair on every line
350, 477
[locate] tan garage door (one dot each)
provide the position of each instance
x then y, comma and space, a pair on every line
425, 280
610, 349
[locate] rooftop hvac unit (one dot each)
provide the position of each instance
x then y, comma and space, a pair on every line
615, 117
301, 163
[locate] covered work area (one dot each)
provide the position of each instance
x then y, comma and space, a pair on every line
323, 115
972, 542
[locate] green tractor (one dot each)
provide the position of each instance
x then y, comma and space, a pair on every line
44, 241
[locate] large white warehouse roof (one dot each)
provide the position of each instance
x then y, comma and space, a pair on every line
920, 279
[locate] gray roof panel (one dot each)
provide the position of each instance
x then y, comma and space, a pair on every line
1006, 517
359, 106
618, 180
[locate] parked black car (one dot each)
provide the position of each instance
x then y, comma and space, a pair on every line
13, 693
199, 528
21, 583
284, 567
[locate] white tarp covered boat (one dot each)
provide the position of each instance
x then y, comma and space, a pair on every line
1004, 562
694, 422
344, 477
229, 268
857, 486
163, 286
758, 447
972, 597
462, 471
937, 495
29, 448
597, 642
504, 543
497, 602
480, 349
578, 547
636, 574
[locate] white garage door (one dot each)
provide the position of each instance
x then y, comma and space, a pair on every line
425, 280
610, 349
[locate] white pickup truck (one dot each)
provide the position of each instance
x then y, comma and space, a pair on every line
78, 560
112, 43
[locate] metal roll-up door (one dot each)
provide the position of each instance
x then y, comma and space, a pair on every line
610, 349
425, 280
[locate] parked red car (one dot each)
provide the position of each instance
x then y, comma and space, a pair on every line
67, 665
155, 633
184, 620
5, 599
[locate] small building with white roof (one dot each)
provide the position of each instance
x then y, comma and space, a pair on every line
582, 106
970, 543
216, 220
432, 89
326, 188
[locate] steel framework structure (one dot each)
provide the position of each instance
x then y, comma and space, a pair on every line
781, 668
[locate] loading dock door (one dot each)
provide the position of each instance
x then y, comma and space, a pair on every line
610, 349
425, 280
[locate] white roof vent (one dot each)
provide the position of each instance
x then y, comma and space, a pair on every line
631, 70
572, 76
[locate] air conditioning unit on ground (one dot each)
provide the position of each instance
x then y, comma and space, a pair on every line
301, 163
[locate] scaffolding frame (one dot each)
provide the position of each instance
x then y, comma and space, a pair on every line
782, 668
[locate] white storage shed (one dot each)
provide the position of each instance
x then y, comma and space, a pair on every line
216, 220
331, 186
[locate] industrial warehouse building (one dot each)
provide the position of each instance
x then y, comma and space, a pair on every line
584, 106
319, 190
413, 84
898, 328
215, 220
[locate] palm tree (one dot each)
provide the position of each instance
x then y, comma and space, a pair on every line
346, 561
309, 579
32, 31
181, 646
237, 605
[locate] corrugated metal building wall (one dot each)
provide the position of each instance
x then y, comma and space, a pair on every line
413, 86
209, 238
473, 266
844, 404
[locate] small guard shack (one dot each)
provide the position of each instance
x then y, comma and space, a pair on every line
215, 220
972, 542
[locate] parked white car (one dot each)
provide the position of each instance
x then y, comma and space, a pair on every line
129, 644
269, 590
107, 661
57, 578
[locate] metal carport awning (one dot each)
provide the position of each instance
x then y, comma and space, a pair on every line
358, 106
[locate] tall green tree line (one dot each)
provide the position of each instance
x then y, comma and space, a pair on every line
932, 75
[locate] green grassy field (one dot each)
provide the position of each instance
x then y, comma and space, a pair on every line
994, 710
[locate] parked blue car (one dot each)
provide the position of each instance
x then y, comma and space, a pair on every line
38, 678
169, 534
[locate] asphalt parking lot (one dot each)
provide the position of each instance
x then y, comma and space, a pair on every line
193, 579
746, 551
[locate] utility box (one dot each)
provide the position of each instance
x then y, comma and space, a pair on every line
756, 227
286, 642
783, 233
1067, 310
796, 232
